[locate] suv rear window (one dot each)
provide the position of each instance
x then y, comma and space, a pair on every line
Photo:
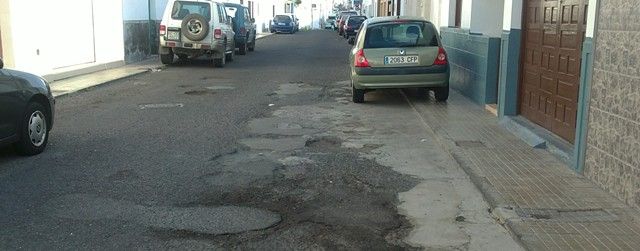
183, 8
282, 18
401, 34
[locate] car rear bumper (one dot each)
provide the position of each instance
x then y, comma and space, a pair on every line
400, 77
187, 47
282, 28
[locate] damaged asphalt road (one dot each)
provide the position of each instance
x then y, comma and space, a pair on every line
258, 155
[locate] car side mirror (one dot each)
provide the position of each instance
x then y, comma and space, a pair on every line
1, 63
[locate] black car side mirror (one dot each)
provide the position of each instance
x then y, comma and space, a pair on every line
1, 63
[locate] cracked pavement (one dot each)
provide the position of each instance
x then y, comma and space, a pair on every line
267, 153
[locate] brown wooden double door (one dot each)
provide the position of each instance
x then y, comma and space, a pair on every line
553, 34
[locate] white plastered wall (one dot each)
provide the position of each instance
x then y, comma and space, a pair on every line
38, 50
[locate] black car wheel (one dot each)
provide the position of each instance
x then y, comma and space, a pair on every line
167, 58
357, 96
34, 130
252, 46
441, 93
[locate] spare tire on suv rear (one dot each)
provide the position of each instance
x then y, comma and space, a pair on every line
195, 27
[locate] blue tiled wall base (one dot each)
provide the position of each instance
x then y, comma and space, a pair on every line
474, 61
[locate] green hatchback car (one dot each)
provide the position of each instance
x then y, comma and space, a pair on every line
398, 52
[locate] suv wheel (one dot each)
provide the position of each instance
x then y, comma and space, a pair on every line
34, 131
243, 49
252, 45
230, 56
167, 58
220, 62
195, 27
441, 93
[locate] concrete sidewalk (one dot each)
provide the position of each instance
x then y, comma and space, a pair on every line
545, 204
67, 86
74, 84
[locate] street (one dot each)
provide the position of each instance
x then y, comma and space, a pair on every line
268, 153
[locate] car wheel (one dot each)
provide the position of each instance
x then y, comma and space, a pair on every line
34, 131
167, 58
243, 49
441, 93
220, 62
357, 95
230, 56
252, 46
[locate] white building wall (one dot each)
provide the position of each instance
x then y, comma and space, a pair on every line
62, 45
591, 18
512, 15
486, 17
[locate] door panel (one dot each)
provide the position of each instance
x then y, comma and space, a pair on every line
553, 35
9, 103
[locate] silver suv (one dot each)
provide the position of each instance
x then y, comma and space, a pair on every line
194, 28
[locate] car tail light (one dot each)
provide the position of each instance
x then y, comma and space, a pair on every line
163, 30
243, 30
441, 59
360, 60
217, 33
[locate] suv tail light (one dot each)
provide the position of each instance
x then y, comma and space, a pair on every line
163, 30
441, 59
217, 33
360, 60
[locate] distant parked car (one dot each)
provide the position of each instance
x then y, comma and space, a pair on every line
398, 52
282, 23
27, 109
243, 26
341, 18
330, 22
352, 25
196, 28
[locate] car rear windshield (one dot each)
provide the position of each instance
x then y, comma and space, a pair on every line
356, 20
401, 34
183, 8
282, 18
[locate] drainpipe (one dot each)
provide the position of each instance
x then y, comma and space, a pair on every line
151, 27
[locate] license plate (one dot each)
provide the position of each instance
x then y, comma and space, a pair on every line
410, 59
281, 23
173, 35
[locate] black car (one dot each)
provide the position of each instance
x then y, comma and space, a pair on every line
26, 111
352, 24
244, 26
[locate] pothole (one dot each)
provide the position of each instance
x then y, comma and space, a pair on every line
214, 220
200, 92
324, 143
